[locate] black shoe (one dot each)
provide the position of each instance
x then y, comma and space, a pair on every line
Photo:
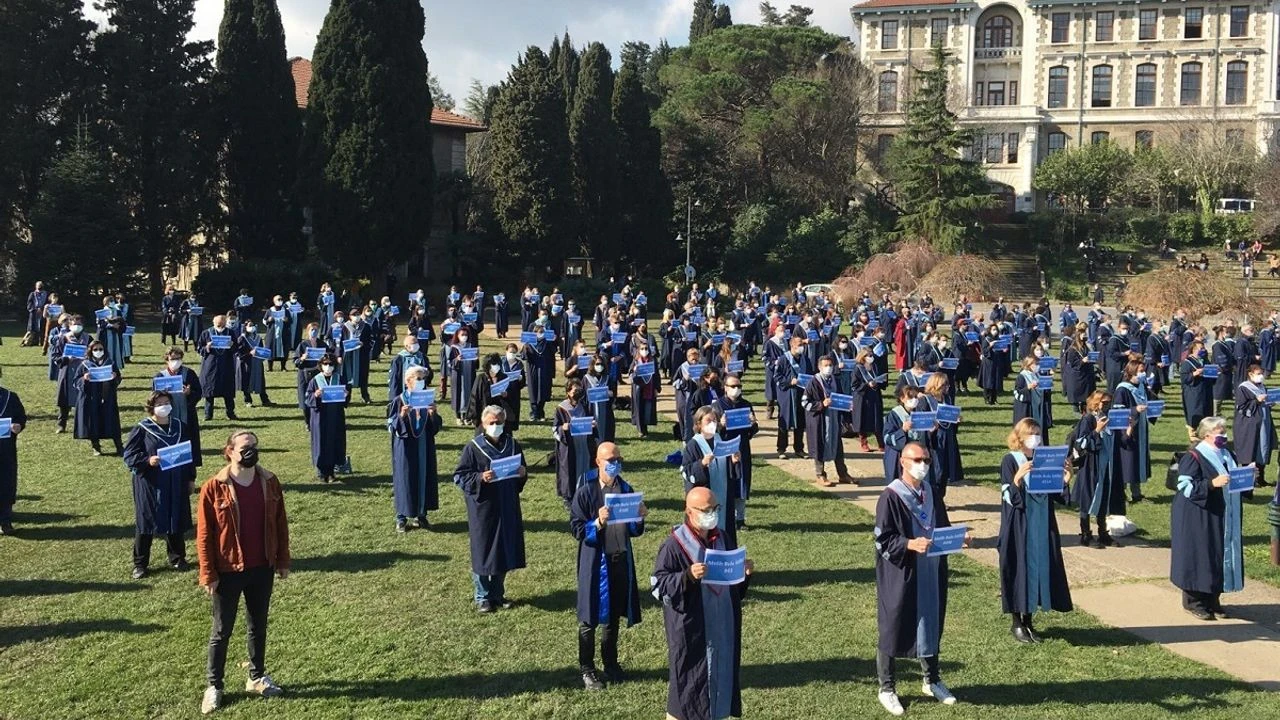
614, 673
591, 681
181, 566
1201, 614
1031, 631
401, 526
139, 573
485, 606
1219, 611
1021, 635
1105, 539
506, 604
1086, 539
232, 416
1137, 499
6, 529
423, 523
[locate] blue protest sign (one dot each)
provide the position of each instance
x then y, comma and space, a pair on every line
424, 335
1118, 419
262, 353
333, 394
54, 310
468, 354
725, 567
528, 338
1241, 479
351, 345
737, 419
923, 421
450, 328
949, 363
581, 426
195, 311
598, 394
101, 373
583, 362
1048, 363
549, 336
74, 350
6, 428
695, 372
644, 370
841, 402
421, 399
315, 354
1044, 382
735, 367
174, 455
948, 414
167, 383
220, 342
619, 338
623, 507
1211, 372
947, 540
803, 379
1093, 356
505, 468
1155, 408
727, 448
499, 387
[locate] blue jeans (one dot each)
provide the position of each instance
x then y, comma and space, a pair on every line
490, 587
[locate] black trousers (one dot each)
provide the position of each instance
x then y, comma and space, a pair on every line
174, 544
619, 595
886, 669
255, 584
797, 440
228, 400
1192, 600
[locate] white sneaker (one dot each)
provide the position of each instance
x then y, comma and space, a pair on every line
264, 686
212, 700
939, 692
891, 703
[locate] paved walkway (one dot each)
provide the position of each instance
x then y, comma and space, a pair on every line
1126, 587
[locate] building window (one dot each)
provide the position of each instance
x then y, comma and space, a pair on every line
1012, 142
1013, 92
1104, 26
1143, 140
882, 145
1146, 24
1235, 137
1102, 86
997, 32
889, 35
938, 32
1190, 94
995, 93
1057, 142
1193, 25
888, 100
978, 96
1058, 86
1099, 136
1060, 23
975, 150
995, 148
1239, 21
1237, 82
1144, 88
1189, 137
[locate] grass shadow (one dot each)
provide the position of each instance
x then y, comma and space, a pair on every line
10, 636
31, 588
802, 578
360, 562
557, 601
76, 532
1173, 695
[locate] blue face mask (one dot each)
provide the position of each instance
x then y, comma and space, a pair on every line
613, 468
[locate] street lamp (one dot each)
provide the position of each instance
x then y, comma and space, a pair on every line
688, 236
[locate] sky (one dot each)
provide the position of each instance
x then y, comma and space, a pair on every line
480, 39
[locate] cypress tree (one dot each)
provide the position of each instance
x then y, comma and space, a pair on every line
704, 19
593, 142
724, 17
566, 70
645, 204
939, 190
262, 130
530, 175
368, 136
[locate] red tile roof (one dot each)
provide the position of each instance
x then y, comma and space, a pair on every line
899, 3
301, 68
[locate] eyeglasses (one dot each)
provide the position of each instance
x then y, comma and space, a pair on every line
924, 460
704, 511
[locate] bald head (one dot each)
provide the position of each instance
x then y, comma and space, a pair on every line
699, 504
608, 462
912, 453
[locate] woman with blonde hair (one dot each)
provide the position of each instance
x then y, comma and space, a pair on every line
1029, 401
944, 445
1032, 574
1098, 491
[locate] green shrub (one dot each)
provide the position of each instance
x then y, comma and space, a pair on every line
1229, 228
1147, 230
1184, 229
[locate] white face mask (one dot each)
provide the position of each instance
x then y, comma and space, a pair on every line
493, 431
911, 403
844, 346
413, 348
1031, 442
918, 470
77, 329
419, 384
327, 370
1255, 379
251, 329
733, 392
598, 368
97, 354
162, 411
175, 365
511, 357
644, 352
709, 428
826, 371
708, 520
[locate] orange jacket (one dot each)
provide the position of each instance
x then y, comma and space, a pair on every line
218, 525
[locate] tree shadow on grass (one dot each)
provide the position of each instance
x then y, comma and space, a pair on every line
555, 601
802, 578
359, 562
1173, 695
75, 532
31, 588
812, 527
24, 518
13, 635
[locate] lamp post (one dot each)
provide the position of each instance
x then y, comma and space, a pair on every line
691, 203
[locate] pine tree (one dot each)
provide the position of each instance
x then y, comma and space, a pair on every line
724, 17
368, 136
769, 16
704, 19
593, 141
940, 192
644, 205
157, 123
797, 16
530, 175
262, 131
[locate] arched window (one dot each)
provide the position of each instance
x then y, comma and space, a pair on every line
1144, 89
888, 98
997, 32
1102, 86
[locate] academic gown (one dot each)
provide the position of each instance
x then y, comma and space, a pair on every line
1253, 430
274, 333
1098, 487
515, 371
1176, 346
895, 439
501, 318
606, 425
161, 503
414, 485
1031, 402
1079, 378
1157, 351
744, 436
575, 456
97, 410
1268, 346
821, 425
1225, 386
685, 387
481, 397
1032, 574
251, 374
868, 403
1197, 393
1206, 553
10, 407
192, 326
790, 397
594, 601
111, 333
911, 588
355, 363
1246, 353
722, 477
184, 408
462, 375
71, 370
494, 520
1135, 453
944, 448
328, 424
644, 401
703, 627
217, 367
991, 373
1116, 352
540, 364
401, 362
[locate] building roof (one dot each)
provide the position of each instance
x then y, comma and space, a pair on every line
876, 4
301, 68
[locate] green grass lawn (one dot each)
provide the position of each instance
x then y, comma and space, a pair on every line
375, 625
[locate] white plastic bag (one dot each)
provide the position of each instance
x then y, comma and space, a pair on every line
1120, 526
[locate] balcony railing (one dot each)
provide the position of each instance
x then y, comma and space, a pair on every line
997, 53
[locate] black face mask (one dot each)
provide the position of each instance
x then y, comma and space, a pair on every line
249, 457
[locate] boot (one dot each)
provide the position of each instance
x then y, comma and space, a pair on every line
1019, 630
1031, 631
1086, 536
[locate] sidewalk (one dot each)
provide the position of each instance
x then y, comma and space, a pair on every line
1126, 587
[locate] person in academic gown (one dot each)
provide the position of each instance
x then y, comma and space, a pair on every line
1246, 353
462, 373
1159, 358
786, 372
573, 454
36, 300
1224, 357
326, 303
822, 425
644, 393
1206, 555
597, 375
867, 417
125, 311
1029, 401
111, 331
161, 498
355, 363
701, 468
540, 372
607, 587
218, 369
1253, 427
911, 587
1177, 331
1116, 353
1032, 574
489, 374
898, 430
10, 407
1135, 450
1079, 376
410, 356
1098, 490
944, 444
328, 421
184, 403
512, 368
991, 374
414, 486
190, 326
169, 305
1197, 390
774, 349
275, 332
308, 368
686, 385
70, 370
703, 622
494, 520
97, 410
501, 316
251, 374
733, 400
